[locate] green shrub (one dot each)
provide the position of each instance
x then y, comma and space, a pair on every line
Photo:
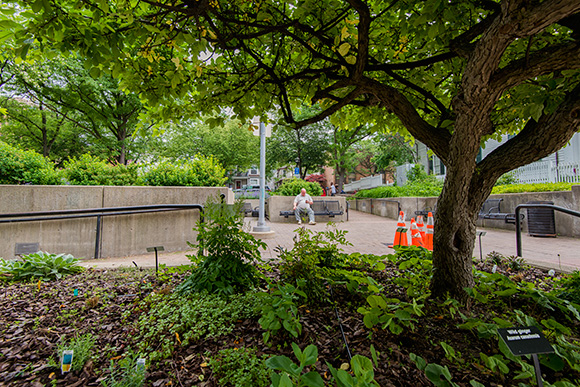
569, 287
419, 188
541, 187
292, 187
125, 373
19, 166
506, 179
200, 172
40, 265
82, 347
228, 267
90, 170
173, 320
240, 367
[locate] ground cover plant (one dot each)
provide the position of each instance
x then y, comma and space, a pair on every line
315, 317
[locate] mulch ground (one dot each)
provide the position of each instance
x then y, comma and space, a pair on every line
34, 319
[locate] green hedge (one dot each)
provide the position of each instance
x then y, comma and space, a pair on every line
18, 166
200, 172
89, 170
292, 187
541, 187
27, 167
413, 189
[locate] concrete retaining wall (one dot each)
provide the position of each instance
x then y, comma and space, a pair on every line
121, 235
566, 225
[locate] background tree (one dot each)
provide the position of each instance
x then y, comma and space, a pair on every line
305, 147
452, 74
107, 115
231, 144
341, 149
392, 150
36, 128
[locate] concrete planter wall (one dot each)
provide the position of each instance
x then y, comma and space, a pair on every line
121, 235
566, 225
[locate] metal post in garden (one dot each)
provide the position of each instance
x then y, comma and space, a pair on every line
262, 227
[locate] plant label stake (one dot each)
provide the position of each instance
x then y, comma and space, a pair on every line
66, 361
480, 234
140, 367
527, 341
156, 249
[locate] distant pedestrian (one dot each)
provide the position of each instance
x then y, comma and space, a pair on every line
332, 189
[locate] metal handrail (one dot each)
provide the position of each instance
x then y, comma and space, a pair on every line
98, 213
519, 231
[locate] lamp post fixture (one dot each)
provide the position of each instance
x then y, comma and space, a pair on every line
262, 227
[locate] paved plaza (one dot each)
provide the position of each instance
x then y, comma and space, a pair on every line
371, 234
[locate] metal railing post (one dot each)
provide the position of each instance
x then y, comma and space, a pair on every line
98, 237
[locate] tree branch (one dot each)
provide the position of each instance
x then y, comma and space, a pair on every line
535, 141
545, 61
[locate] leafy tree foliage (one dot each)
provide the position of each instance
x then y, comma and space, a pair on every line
99, 114
392, 149
39, 129
231, 144
18, 166
451, 74
306, 147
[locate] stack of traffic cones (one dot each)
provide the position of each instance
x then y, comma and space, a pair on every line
421, 227
401, 232
429, 232
416, 239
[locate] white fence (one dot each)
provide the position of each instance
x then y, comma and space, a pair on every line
548, 172
364, 183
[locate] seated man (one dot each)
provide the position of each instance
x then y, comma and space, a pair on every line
302, 203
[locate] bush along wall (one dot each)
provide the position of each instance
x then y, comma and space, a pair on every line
19, 166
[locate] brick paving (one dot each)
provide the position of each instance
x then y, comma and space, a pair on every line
371, 233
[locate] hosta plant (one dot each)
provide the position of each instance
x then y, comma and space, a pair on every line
41, 265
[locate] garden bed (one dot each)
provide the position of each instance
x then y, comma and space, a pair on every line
122, 312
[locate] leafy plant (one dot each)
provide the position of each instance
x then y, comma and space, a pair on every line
82, 347
292, 187
280, 311
437, 374
227, 268
173, 320
418, 188
126, 373
291, 373
90, 170
311, 260
19, 166
569, 287
390, 313
240, 367
364, 374
200, 172
538, 187
40, 265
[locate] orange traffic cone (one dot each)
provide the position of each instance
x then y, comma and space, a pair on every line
421, 227
429, 233
416, 239
400, 232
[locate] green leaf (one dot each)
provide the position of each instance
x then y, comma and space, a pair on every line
283, 363
312, 379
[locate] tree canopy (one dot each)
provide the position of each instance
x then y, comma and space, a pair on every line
451, 74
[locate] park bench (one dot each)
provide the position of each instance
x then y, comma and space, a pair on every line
425, 212
247, 209
329, 208
491, 209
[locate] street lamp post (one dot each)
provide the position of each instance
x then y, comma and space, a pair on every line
262, 227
